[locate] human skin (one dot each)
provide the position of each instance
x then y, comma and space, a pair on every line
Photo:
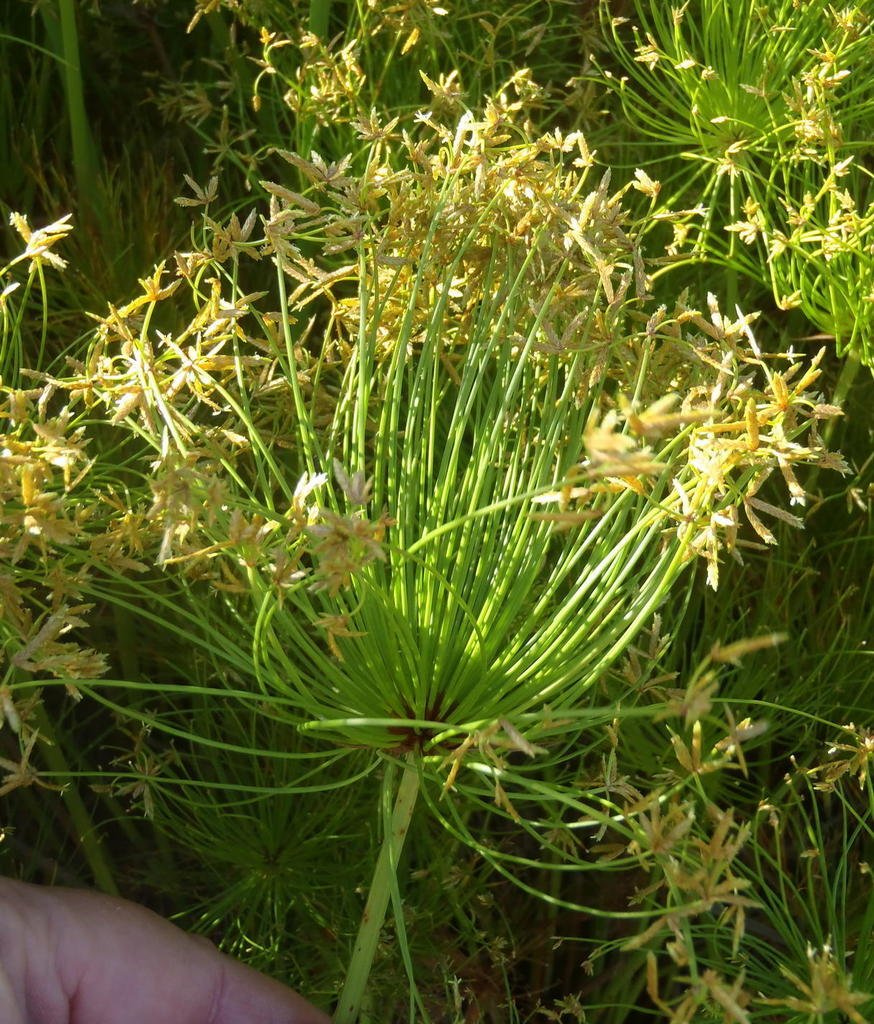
68, 956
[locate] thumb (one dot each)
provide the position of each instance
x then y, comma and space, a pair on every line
75, 957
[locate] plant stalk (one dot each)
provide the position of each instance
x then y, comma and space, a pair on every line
320, 13
86, 832
84, 151
373, 916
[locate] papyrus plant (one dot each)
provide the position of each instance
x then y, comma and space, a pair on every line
45, 504
441, 488
304, 76
43, 466
759, 116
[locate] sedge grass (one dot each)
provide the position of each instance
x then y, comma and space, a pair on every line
762, 117
414, 593
302, 87
221, 405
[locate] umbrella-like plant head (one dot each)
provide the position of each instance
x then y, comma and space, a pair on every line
449, 480
444, 487
518, 461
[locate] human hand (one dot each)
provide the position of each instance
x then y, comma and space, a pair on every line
73, 957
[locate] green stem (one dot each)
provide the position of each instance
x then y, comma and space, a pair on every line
846, 378
84, 152
320, 13
373, 917
125, 632
85, 829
